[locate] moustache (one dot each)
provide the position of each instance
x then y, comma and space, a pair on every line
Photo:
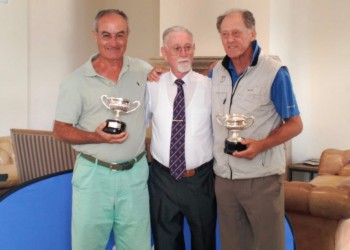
182, 60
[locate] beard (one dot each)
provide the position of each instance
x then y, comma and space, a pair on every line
184, 65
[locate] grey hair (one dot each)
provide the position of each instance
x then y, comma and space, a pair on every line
175, 29
105, 12
248, 18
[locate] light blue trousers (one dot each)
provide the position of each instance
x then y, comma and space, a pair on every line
104, 200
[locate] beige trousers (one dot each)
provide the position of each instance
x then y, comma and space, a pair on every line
251, 213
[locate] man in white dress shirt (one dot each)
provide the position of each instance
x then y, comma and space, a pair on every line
192, 195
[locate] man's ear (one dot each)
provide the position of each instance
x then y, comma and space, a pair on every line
253, 35
94, 34
164, 52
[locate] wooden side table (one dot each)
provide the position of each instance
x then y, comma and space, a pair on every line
300, 167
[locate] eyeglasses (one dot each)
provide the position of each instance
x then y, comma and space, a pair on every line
189, 49
105, 36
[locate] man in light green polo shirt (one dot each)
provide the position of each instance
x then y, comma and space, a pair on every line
110, 175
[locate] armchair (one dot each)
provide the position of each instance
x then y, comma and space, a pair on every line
8, 169
319, 210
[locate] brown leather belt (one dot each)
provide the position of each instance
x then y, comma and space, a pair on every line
114, 166
188, 173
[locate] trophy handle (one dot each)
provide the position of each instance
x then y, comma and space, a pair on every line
137, 103
250, 121
103, 98
219, 119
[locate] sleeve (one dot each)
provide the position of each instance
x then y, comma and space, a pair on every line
69, 103
148, 105
210, 74
282, 95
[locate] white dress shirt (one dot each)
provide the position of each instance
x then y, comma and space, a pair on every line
199, 136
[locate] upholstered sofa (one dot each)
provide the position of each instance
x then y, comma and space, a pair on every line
8, 170
39, 153
319, 210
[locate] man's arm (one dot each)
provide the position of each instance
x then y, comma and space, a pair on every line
289, 129
68, 133
154, 74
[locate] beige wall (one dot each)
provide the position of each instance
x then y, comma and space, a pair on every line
312, 39
42, 41
59, 41
13, 65
200, 17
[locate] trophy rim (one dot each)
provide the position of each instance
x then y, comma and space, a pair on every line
119, 104
226, 119
121, 99
238, 115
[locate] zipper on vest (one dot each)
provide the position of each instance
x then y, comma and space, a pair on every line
236, 86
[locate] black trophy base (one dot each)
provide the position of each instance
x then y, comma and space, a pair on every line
114, 127
231, 147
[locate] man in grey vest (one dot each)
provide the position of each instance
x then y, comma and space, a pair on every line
249, 183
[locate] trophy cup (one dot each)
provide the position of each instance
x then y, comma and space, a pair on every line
117, 105
234, 123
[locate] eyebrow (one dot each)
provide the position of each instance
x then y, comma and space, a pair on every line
186, 44
120, 32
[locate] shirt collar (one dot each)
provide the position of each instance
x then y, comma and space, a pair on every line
90, 71
256, 53
186, 78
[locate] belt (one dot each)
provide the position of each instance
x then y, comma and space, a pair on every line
114, 166
188, 173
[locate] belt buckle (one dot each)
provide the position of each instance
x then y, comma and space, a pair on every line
124, 165
111, 167
189, 173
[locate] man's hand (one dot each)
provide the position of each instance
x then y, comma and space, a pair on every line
286, 131
68, 133
210, 68
155, 73
253, 149
110, 138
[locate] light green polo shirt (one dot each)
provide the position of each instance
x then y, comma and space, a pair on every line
79, 103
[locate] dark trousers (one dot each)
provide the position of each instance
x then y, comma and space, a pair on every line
171, 201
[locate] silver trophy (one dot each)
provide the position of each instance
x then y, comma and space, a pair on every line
234, 123
117, 105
